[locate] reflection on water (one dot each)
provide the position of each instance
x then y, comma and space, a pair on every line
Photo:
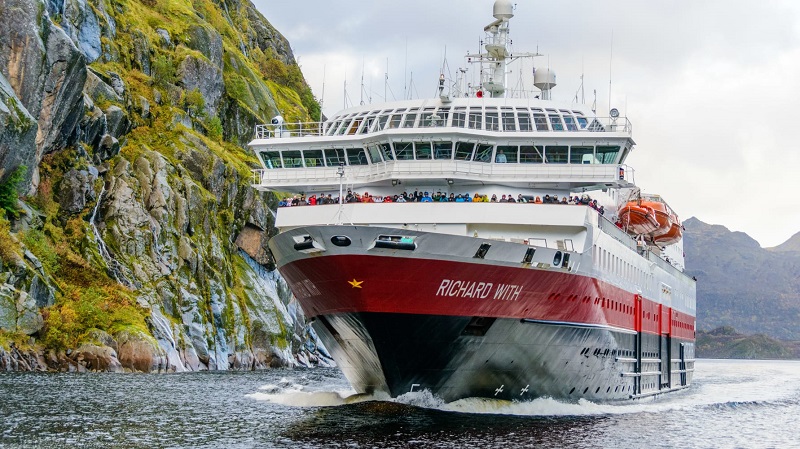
732, 404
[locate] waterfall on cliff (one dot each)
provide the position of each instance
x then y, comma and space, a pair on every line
115, 269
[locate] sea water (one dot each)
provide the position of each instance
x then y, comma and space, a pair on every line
732, 404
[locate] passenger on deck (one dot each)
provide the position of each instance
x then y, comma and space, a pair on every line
452, 198
426, 198
477, 199
494, 198
537, 200
511, 199
547, 199
400, 199
467, 198
521, 199
501, 157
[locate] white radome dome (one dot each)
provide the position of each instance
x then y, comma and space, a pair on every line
503, 9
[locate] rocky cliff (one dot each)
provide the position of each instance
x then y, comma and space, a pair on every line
138, 243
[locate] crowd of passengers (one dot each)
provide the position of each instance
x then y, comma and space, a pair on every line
438, 197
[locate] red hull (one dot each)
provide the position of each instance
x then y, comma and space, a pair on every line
357, 283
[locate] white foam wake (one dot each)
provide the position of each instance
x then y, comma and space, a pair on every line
758, 382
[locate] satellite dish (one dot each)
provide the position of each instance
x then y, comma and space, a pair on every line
614, 113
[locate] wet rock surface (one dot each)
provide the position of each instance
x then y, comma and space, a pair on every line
133, 203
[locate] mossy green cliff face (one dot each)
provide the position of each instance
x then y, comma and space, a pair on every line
139, 243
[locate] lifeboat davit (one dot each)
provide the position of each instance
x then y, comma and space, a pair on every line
637, 218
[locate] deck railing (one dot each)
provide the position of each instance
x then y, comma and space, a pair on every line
382, 123
361, 174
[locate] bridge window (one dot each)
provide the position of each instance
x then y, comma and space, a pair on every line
356, 156
510, 153
368, 122
313, 158
556, 123
541, 122
475, 119
334, 157
581, 155
342, 127
570, 122
404, 151
529, 154
382, 120
492, 121
354, 126
509, 124
386, 151
483, 153
332, 128
444, 115
374, 153
411, 118
443, 150
464, 151
582, 122
292, 159
607, 154
271, 159
556, 154
394, 122
524, 118
459, 117
426, 118
422, 150
596, 126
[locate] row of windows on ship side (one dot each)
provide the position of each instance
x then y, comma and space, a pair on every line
478, 118
427, 150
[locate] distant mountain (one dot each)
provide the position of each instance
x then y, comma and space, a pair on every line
791, 245
726, 343
742, 285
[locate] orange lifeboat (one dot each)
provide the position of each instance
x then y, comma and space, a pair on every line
638, 218
662, 214
673, 234
668, 228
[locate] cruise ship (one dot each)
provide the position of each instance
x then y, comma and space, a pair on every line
418, 273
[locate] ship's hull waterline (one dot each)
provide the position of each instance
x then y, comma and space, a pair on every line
401, 320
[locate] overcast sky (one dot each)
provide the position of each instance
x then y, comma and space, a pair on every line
709, 86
